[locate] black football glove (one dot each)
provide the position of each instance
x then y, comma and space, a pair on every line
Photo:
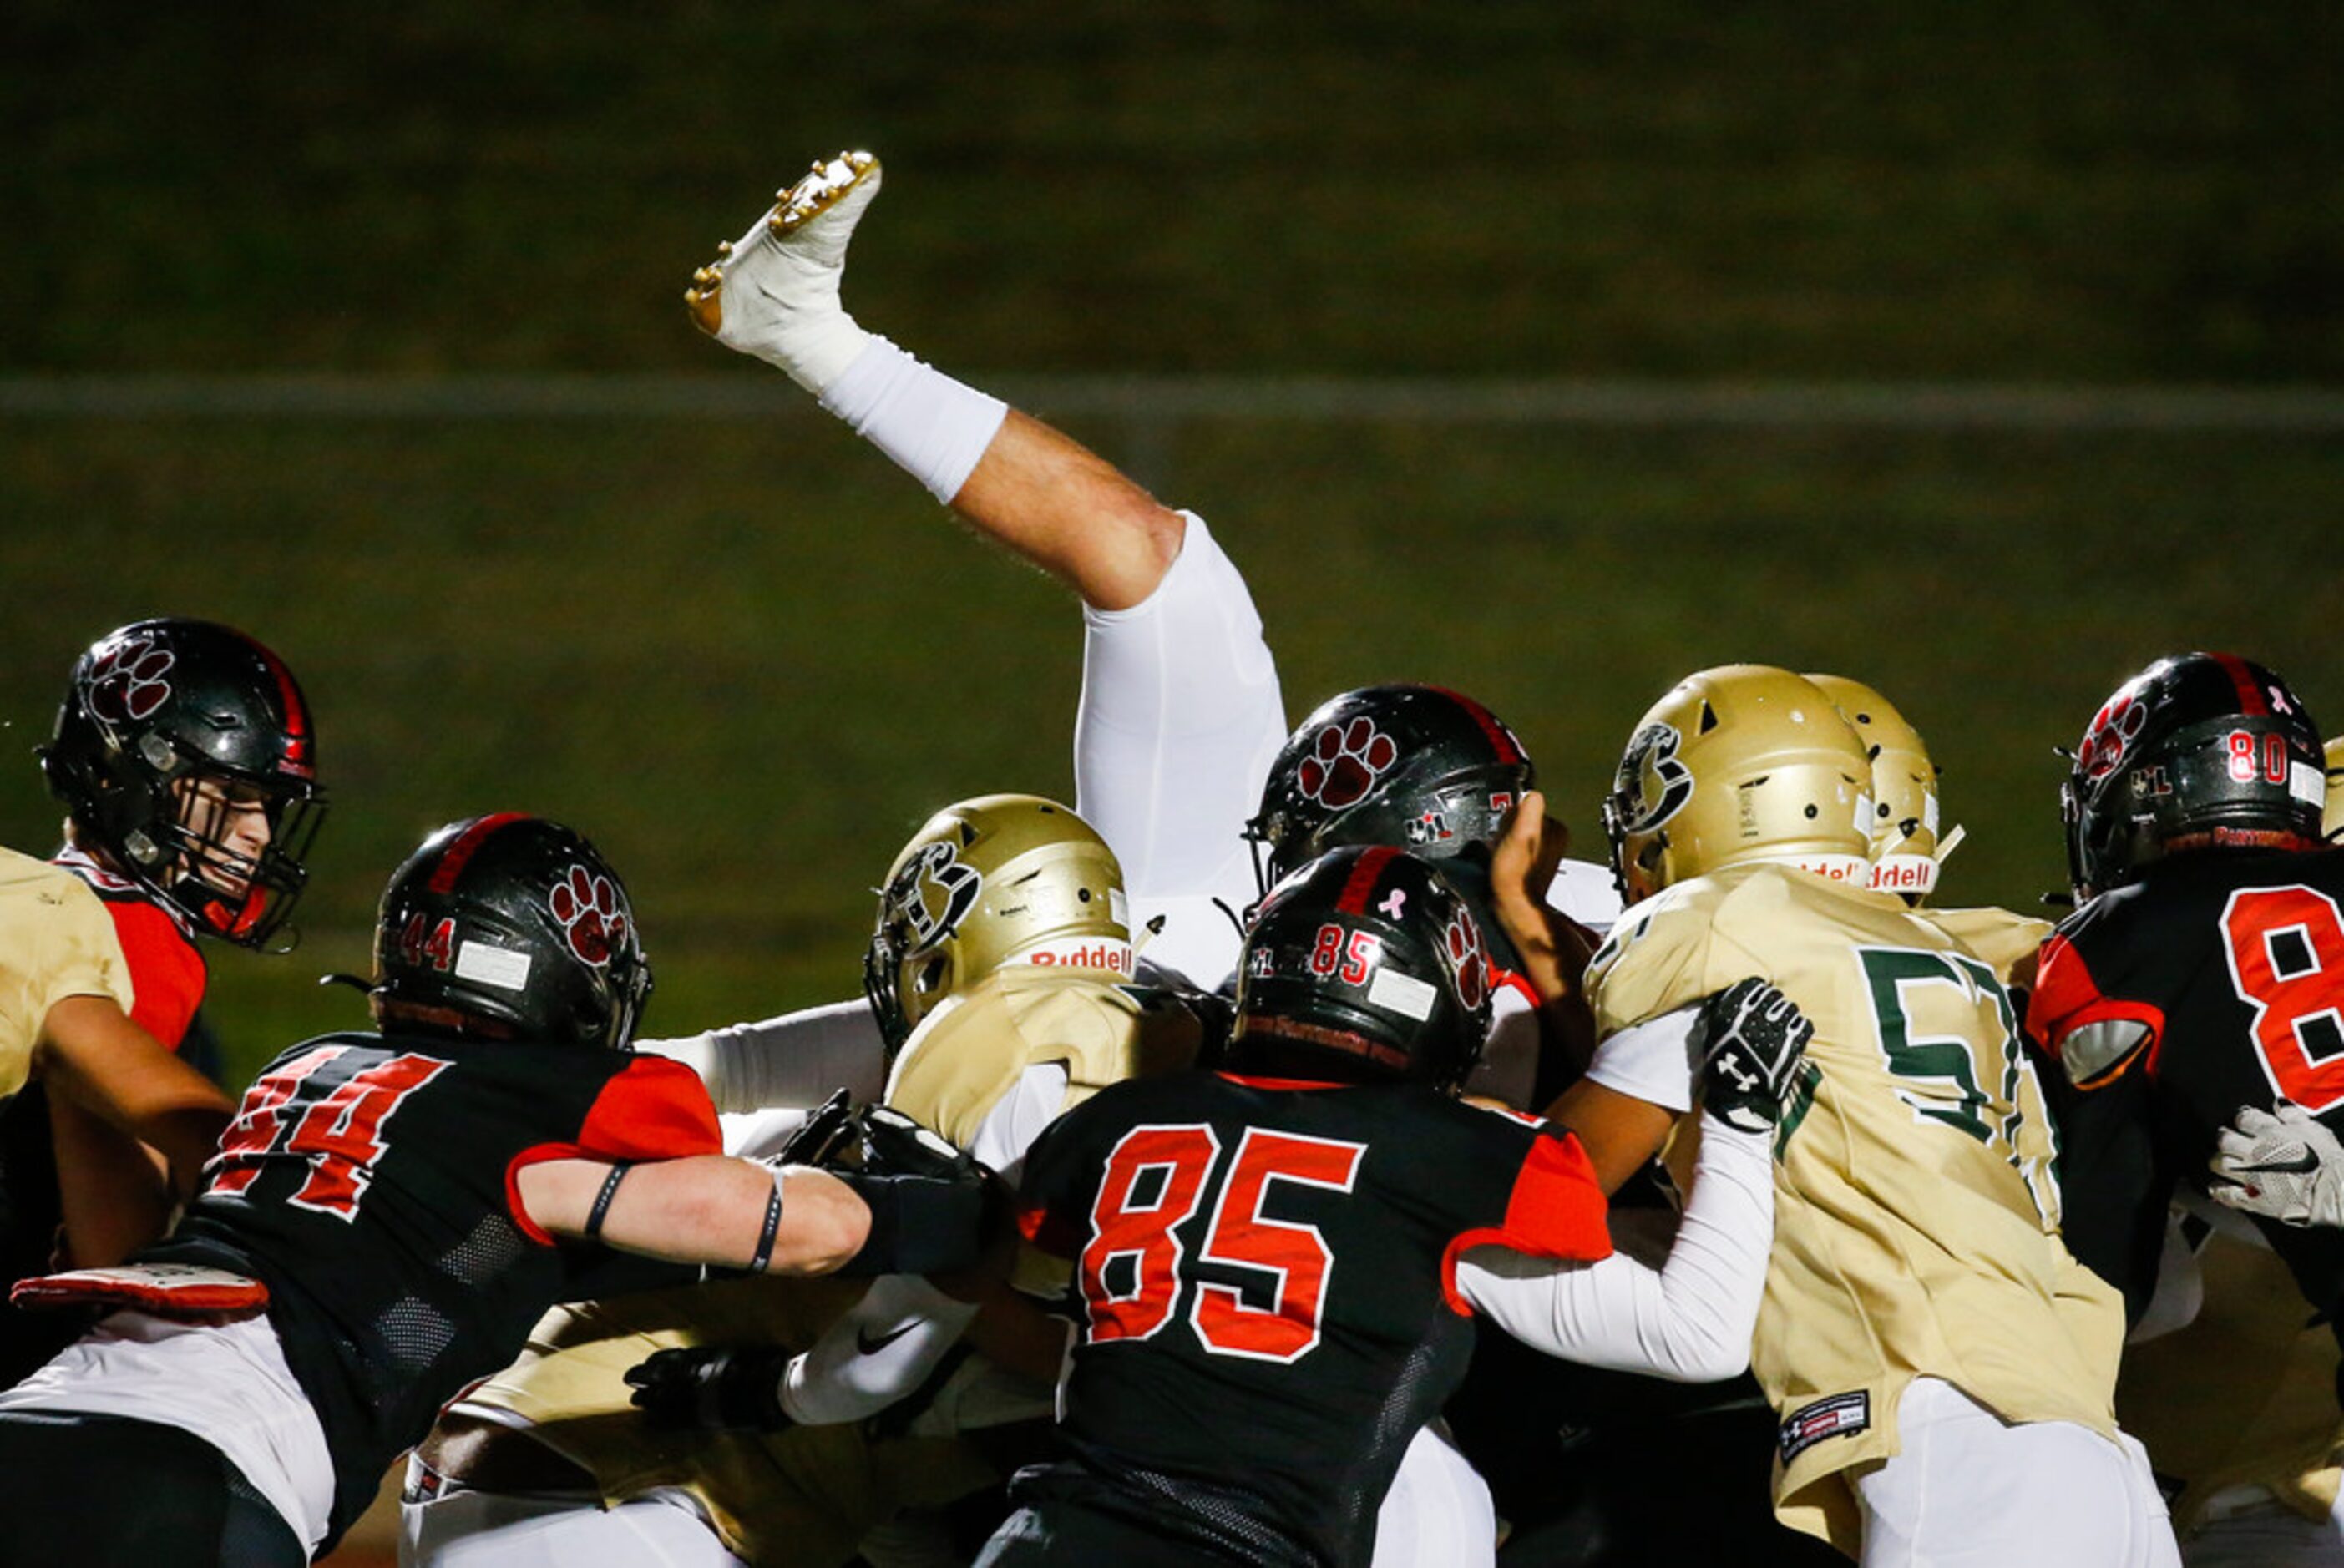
712, 1388
1752, 1041
893, 1144
827, 1129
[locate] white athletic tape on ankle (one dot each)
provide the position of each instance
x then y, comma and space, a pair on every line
933, 427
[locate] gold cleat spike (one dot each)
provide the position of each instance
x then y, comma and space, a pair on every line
724, 250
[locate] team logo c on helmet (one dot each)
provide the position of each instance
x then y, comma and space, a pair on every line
591, 913
1651, 777
126, 683
1345, 762
932, 896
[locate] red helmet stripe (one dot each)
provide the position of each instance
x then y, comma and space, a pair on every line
453, 859
1363, 879
2251, 699
1500, 736
296, 714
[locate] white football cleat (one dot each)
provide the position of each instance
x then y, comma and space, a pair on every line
774, 292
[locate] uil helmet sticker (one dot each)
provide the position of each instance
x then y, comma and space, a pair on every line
932, 895
1651, 760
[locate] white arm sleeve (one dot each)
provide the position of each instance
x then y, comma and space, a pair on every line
1652, 1061
796, 1060
892, 1340
1179, 719
1689, 1321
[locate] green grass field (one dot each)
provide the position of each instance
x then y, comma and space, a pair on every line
748, 658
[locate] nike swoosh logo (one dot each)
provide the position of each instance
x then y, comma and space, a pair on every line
2301, 1163
867, 1345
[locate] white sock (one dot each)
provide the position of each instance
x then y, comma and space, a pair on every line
933, 428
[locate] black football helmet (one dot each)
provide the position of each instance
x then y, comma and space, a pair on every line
2203, 750
1364, 966
1418, 767
171, 732
509, 928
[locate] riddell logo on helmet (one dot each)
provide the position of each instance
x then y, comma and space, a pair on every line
1903, 874
1077, 953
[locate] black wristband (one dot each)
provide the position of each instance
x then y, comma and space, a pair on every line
919, 1224
595, 1214
772, 1228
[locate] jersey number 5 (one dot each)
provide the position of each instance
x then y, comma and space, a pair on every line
2286, 948
338, 1131
1133, 1269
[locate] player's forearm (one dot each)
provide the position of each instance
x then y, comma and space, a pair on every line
708, 1209
876, 1354
92, 1054
1690, 1319
114, 1193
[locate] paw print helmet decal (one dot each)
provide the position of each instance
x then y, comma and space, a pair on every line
2202, 751
1418, 767
509, 928
186, 758
1365, 965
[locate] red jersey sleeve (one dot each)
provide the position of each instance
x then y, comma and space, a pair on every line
1557, 1210
653, 1109
166, 970
2067, 998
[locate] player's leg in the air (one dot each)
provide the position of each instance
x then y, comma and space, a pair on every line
1180, 710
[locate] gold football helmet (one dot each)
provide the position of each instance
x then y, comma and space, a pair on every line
1739, 764
1905, 849
2331, 815
995, 880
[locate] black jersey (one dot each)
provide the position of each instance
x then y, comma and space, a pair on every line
2229, 969
1265, 1276
368, 1181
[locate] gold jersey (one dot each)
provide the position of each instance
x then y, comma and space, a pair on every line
56, 941
1917, 1220
809, 1494
2006, 939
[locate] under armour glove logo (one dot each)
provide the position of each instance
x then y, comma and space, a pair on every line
1753, 1041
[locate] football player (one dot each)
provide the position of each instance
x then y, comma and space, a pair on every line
390, 1212
2202, 972
187, 762
1274, 1263
1942, 1368
999, 975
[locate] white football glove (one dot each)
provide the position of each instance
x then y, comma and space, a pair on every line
774, 292
2287, 1167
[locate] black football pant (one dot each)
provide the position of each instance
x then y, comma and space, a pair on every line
1062, 1534
107, 1491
